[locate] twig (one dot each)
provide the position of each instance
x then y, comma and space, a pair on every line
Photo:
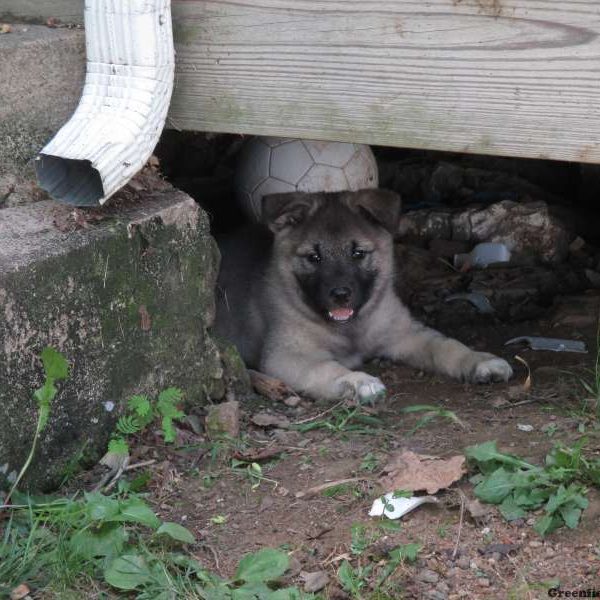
140, 465
215, 556
326, 412
460, 525
325, 486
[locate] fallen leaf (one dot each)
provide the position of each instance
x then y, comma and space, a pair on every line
21, 591
52, 22
314, 582
5, 28
145, 321
265, 419
476, 509
414, 472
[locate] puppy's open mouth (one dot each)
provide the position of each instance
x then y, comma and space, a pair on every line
341, 314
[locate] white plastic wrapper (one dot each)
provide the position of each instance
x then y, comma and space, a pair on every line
394, 508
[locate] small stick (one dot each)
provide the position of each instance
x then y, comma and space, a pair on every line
326, 412
140, 465
460, 525
325, 486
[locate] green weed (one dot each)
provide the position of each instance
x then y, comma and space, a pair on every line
431, 412
518, 487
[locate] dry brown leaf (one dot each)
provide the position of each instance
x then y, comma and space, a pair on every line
5, 28
414, 472
476, 509
21, 591
145, 320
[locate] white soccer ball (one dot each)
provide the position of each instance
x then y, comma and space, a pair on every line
272, 165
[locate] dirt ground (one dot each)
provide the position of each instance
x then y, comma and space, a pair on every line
233, 513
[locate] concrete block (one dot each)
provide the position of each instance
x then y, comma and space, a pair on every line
127, 294
42, 71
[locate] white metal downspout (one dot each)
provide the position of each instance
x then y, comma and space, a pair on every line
124, 104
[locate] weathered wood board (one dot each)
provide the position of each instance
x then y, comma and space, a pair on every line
508, 77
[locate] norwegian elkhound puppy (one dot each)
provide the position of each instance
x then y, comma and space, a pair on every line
309, 296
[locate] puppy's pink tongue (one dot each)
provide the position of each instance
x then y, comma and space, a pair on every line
341, 314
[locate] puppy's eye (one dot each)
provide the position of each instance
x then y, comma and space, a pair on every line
358, 254
313, 257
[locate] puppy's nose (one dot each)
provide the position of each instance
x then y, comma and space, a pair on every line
341, 294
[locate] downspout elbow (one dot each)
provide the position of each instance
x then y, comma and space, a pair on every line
123, 107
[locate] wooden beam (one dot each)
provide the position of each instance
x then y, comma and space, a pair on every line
507, 77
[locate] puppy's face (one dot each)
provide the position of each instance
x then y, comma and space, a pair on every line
334, 249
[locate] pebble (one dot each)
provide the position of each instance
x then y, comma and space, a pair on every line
453, 572
535, 544
530, 521
436, 595
484, 582
443, 587
474, 566
463, 563
550, 552
428, 576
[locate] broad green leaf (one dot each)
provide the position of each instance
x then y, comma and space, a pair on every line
265, 565
488, 452
511, 510
128, 572
100, 507
135, 510
177, 532
55, 364
251, 591
347, 577
289, 594
547, 524
46, 393
494, 488
570, 515
108, 541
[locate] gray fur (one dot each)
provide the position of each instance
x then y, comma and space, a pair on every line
263, 307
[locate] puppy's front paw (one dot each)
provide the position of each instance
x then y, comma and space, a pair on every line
363, 388
490, 368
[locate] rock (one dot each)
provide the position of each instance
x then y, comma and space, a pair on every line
314, 582
483, 582
223, 419
443, 587
265, 419
428, 576
526, 228
464, 563
295, 567
535, 544
80, 291
436, 595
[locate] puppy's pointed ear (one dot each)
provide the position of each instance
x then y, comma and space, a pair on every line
280, 211
378, 206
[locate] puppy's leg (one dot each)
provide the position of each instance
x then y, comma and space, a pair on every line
409, 341
324, 378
